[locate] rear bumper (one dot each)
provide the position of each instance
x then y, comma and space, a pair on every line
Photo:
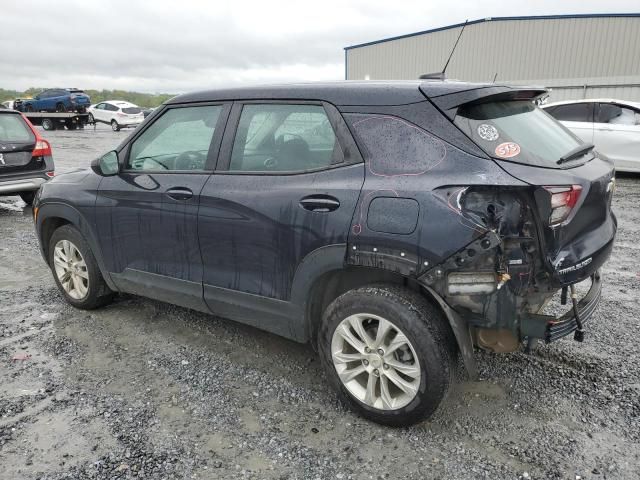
586, 307
21, 185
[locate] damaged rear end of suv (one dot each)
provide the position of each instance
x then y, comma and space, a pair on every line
492, 207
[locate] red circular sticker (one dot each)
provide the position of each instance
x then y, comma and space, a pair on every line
507, 150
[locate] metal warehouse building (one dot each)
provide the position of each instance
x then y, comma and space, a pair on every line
577, 56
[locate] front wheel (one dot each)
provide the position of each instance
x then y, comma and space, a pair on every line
90, 118
388, 352
76, 271
60, 108
114, 126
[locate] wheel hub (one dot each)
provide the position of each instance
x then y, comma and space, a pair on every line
375, 361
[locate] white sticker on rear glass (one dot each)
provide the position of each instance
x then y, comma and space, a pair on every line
488, 132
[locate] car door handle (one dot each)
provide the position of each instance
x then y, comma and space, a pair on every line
320, 203
180, 193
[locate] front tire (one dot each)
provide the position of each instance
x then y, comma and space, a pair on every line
90, 118
76, 271
60, 108
114, 126
48, 124
388, 352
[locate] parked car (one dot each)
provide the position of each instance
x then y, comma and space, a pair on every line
147, 111
116, 113
391, 225
26, 161
613, 126
56, 100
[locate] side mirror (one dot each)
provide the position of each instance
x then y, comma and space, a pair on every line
107, 165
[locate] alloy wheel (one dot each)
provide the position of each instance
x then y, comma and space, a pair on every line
375, 361
71, 269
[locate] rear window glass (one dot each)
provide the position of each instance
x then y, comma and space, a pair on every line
517, 131
131, 110
14, 129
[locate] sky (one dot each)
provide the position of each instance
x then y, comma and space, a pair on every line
162, 46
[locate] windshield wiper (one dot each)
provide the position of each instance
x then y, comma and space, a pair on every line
576, 152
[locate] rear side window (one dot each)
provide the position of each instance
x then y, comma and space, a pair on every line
14, 129
178, 140
517, 131
617, 115
574, 112
284, 138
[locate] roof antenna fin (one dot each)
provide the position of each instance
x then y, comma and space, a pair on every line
441, 75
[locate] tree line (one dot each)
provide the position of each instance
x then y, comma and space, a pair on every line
147, 100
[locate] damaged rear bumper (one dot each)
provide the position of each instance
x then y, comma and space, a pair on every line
586, 307
550, 328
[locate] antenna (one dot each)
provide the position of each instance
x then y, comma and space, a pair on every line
494, 77
454, 47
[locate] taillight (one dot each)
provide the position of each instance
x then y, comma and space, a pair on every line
42, 148
563, 199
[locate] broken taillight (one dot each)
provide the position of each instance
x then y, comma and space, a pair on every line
563, 199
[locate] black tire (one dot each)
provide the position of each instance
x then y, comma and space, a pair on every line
114, 126
27, 197
48, 124
60, 108
72, 126
90, 118
28, 108
98, 293
427, 331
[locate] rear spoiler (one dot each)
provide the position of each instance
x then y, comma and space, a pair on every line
449, 102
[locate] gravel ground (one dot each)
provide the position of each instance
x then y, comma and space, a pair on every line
143, 389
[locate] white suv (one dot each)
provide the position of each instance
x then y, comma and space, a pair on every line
117, 113
613, 126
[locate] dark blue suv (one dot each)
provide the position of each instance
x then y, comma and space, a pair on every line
56, 100
394, 226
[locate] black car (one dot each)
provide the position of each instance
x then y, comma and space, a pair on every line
25, 157
394, 226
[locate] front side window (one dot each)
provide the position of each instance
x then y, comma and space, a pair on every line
573, 112
517, 131
178, 140
617, 115
279, 138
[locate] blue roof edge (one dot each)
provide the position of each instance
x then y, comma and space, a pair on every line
494, 19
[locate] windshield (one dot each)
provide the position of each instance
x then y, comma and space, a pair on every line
517, 131
14, 129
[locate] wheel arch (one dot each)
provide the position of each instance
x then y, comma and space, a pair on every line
52, 216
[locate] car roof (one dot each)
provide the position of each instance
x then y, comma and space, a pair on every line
593, 100
348, 92
120, 103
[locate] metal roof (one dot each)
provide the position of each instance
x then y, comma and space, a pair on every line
495, 19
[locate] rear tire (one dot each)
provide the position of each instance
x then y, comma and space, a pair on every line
48, 124
114, 126
27, 197
406, 373
76, 271
72, 126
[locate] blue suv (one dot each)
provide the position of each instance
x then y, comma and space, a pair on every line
57, 100
393, 226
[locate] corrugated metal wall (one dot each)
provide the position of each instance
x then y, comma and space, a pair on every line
563, 53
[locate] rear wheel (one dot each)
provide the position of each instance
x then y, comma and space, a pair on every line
388, 352
76, 271
72, 126
60, 107
114, 126
48, 124
27, 197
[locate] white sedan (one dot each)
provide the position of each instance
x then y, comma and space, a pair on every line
117, 113
613, 126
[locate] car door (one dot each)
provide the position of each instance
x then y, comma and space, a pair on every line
577, 117
617, 135
42, 101
97, 112
285, 190
147, 213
